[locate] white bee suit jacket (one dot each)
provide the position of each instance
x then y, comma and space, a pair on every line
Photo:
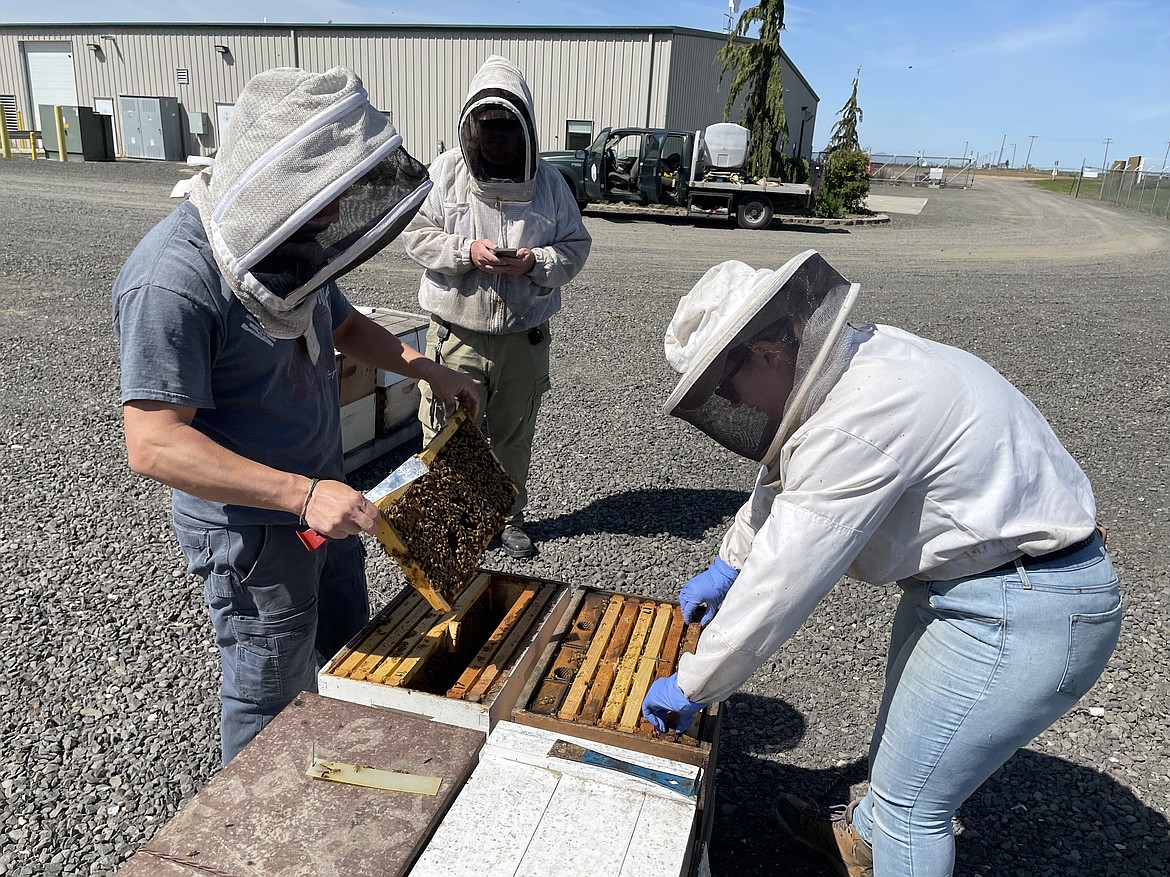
922, 461
536, 211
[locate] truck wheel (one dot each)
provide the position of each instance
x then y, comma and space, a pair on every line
754, 213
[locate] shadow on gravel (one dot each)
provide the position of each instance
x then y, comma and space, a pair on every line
1038, 816
683, 512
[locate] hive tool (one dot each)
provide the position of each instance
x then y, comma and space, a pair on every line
573, 752
413, 469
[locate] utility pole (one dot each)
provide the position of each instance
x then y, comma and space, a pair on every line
1001, 146
1104, 166
1028, 159
1013, 161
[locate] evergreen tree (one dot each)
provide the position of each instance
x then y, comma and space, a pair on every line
845, 184
844, 134
758, 65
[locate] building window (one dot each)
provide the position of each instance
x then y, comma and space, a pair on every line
578, 135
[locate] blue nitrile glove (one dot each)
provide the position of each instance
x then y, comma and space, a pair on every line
665, 697
710, 587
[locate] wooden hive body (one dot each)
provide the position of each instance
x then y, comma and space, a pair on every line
464, 667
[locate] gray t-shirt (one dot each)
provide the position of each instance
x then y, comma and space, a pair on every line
187, 339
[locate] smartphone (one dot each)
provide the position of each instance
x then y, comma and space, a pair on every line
505, 252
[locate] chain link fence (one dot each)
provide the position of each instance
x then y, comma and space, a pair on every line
1138, 190
1129, 187
922, 170
918, 170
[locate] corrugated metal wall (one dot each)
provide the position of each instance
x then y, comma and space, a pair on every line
697, 97
608, 76
421, 76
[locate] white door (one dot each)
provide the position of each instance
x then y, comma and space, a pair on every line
223, 117
50, 77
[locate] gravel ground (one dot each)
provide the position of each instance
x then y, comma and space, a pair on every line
109, 684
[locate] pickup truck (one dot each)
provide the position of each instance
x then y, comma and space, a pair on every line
657, 166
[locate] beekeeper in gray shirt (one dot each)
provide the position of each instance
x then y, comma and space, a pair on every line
499, 235
227, 314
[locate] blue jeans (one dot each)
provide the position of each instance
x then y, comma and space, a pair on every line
977, 667
279, 611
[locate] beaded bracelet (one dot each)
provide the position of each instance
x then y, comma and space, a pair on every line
308, 496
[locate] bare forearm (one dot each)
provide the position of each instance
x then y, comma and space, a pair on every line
182, 457
367, 342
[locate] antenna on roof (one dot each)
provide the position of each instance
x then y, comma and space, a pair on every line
732, 11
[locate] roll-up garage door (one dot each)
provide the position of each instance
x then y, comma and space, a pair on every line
50, 76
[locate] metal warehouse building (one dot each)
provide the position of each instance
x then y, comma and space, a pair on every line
166, 91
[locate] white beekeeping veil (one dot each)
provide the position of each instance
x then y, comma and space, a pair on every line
309, 183
499, 98
802, 308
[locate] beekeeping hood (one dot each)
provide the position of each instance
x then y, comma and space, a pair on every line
802, 307
298, 143
498, 92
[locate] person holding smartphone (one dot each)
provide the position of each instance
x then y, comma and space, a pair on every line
497, 237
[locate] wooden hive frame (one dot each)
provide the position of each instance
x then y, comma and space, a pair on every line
404, 641
441, 580
606, 653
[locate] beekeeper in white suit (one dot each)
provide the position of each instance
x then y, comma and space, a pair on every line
227, 314
890, 458
498, 237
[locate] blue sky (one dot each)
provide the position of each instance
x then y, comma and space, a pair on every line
1041, 81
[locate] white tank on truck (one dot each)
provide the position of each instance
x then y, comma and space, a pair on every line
725, 146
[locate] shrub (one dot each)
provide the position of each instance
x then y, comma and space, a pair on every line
845, 183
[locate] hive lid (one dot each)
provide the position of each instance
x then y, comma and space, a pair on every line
438, 527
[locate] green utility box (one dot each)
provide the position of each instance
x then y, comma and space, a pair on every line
88, 135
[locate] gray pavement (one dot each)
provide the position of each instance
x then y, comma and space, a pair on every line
109, 683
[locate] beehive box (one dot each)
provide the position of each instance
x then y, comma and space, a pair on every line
594, 673
464, 667
355, 379
458, 645
389, 401
525, 811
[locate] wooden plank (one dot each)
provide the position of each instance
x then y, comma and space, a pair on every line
599, 689
261, 815
685, 749
388, 621
668, 663
526, 813
615, 703
369, 664
439, 636
597, 646
581, 632
589, 823
555, 685
468, 677
690, 643
647, 664
406, 645
691, 639
491, 824
503, 656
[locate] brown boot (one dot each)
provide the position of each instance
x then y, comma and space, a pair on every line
834, 838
